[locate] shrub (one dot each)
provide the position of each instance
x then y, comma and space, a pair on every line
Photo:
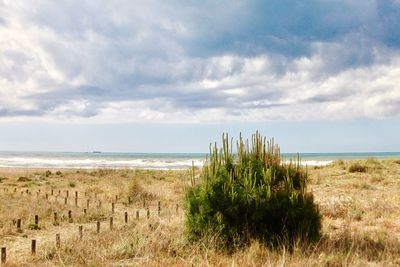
252, 195
357, 167
137, 192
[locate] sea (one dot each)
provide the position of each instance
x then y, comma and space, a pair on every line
160, 161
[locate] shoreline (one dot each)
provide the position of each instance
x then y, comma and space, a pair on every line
304, 163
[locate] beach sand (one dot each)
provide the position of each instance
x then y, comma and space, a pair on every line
361, 219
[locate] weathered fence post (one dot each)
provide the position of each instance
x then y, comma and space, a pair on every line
33, 247
98, 227
37, 221
148, 213
70, 216
55, 219
3, 255
159, 208
80, 231
137, 215
126, 217
112, 207
18, 225
111, 223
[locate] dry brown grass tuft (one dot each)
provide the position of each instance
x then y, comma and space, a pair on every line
357, 167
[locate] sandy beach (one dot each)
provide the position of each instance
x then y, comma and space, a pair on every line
361, 215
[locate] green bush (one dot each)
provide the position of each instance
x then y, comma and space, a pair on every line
252, 194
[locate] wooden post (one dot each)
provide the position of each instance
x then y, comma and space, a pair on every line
112, 207
144, 203
137, 215
129, 200
126, 217
76, 194
3, 255
177, 208
47, 196
87, 203
148, 213
80, 231
116, 198
37, 220
52, 191
19, 225
67, 193
84, 211
76, 201
66, 200
55, 219
70, 216
159, 208
33, 247
98, 227
58, 241
111, 223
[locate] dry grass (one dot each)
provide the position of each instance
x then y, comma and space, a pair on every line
361, 222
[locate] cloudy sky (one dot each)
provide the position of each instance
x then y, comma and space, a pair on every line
143, 76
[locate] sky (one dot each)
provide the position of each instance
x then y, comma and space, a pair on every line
172, 76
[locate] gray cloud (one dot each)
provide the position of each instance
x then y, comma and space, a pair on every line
252, 60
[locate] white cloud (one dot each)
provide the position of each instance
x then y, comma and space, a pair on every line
124, 61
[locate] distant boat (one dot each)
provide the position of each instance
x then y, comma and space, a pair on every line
96, 152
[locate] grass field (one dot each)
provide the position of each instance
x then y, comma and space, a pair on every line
360, 203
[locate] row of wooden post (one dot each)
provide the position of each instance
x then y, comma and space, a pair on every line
18, 222
58, 238
87, 201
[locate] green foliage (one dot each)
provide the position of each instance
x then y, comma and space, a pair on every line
252, 194
33, 226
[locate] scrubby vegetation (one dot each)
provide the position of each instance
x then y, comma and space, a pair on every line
360, 225
357, 167
252, 195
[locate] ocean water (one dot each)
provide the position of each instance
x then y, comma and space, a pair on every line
164, 161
